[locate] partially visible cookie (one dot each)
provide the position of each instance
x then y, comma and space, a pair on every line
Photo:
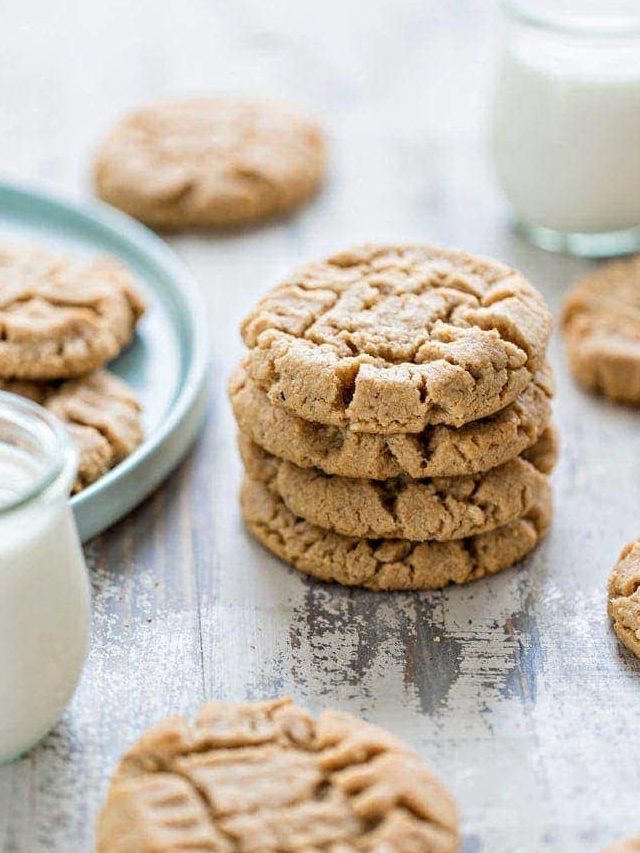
437, 451
267, 777
629, 845
390, 339
101, 413
601, 324
387, 564
60, 317
437, 509
624, 597
95, 455
210, 163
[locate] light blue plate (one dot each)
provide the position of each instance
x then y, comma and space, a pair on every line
167, 362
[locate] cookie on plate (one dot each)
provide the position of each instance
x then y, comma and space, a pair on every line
210, 163
388, 564
60, 317
267, 777
601, 325
391, 339
439, 509
437, 451
101, 413
624, 597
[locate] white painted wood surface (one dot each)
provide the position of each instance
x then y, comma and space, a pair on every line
514, 689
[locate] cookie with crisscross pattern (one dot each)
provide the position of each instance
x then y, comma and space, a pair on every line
390, 339
268, 777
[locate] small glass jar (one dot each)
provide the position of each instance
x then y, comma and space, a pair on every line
44, 587
566, 124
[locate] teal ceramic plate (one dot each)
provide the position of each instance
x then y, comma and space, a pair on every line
166, 364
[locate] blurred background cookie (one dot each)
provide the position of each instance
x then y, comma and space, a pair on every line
629, 845
210, 163
601, 325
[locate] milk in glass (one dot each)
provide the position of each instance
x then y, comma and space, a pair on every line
566, 130
44, 590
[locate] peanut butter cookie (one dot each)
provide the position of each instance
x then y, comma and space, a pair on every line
101, 413
390, 339
438, 509
437, 451
624, 597
387, 564
268, 777
59, 317
601, 324
210, 163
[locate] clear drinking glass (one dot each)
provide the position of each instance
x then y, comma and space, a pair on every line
44, 587
566, 124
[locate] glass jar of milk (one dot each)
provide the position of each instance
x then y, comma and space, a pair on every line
44, 588
566, 130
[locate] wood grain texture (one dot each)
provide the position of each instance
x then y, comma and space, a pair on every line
514, 689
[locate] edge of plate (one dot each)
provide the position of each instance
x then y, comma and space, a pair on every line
121, 489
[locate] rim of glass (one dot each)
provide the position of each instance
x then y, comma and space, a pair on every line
620, 26
51, 435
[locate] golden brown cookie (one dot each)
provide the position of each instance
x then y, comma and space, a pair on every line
387, 564
267, 777
101, 413
438, 451
437, 509
601, 324
210, 163
624, 597
60, 317
390, 339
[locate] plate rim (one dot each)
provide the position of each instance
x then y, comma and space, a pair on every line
124, 228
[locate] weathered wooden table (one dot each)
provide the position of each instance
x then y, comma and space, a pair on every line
514, 689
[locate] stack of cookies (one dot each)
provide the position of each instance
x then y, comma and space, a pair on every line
61, 320
394, 415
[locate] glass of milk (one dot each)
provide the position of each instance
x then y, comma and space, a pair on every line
44, 587
566, 124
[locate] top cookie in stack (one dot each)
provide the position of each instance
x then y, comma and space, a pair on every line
394, 410
61, 320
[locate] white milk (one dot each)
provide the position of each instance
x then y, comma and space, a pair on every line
567, 123
44, 605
